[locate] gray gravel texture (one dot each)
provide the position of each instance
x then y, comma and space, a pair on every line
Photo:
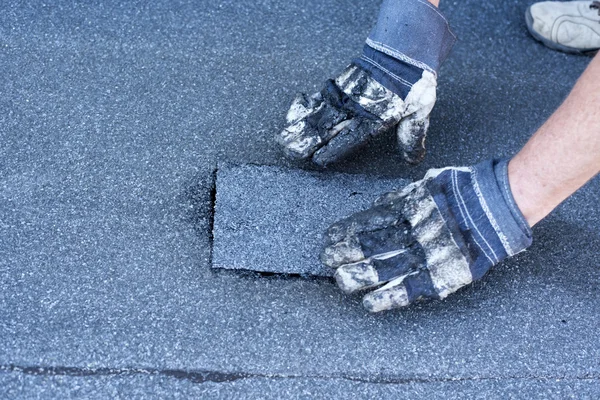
272, 219
115, 116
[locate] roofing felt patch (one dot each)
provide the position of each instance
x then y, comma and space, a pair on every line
271, 219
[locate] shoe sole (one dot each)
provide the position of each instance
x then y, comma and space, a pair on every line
551, 44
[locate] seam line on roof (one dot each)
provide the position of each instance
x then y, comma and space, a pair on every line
202, 376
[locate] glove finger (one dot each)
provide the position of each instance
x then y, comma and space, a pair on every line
394, 200
303, 106
368, 97
401, 292
412, 132
386, 240
375, 218
311, 123
373, 231
298, 139
378, 270
360, 246
412, 129
355, 134
375, 109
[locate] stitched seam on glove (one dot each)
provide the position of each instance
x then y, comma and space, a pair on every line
469, 221
519, 218
489, 214
388, 72
400, 56
434, 8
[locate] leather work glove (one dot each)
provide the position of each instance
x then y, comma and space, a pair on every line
429, 239
392, 84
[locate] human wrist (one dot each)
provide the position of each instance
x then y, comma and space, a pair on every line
530, 195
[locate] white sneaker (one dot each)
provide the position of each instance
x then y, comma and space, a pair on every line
572, 27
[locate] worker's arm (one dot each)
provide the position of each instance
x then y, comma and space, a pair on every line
563, 154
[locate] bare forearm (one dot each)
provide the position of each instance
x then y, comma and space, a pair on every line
563, 154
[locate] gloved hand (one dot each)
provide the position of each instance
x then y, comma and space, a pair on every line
429, 239
392, 84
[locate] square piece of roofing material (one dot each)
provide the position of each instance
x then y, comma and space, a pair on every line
272, 219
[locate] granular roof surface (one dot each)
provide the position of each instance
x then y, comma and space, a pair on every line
115, 117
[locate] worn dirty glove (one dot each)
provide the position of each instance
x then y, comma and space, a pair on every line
429, 239
392, 84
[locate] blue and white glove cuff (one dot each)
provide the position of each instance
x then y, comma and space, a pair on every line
414, 32
479, 210
411, 36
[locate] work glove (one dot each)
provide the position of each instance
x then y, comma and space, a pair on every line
392, 84
428, 239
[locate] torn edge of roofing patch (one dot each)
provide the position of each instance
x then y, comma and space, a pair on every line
211, 213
